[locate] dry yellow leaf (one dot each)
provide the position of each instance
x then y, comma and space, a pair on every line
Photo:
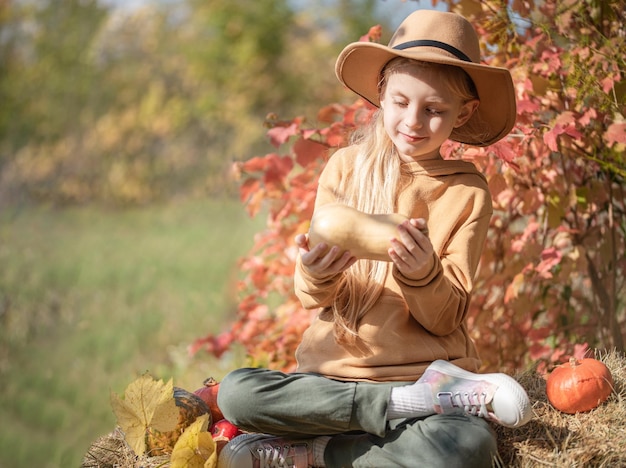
195, 448
146, 403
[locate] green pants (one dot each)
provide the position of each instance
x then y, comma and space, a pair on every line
354, 413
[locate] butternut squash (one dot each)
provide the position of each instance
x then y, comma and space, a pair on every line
364, 235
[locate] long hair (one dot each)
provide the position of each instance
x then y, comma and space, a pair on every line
373, 188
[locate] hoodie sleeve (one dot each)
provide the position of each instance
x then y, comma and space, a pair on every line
315, 291
440, 300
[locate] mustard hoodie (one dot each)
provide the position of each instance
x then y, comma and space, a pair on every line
414, 322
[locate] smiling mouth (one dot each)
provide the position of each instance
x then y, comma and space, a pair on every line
413, 138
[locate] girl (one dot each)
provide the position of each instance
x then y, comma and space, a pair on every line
386, 372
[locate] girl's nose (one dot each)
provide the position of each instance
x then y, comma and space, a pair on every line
412, 119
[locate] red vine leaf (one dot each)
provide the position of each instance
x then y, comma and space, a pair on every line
280, 134
308, 151
373, 35
550, 257
277, 170
330, 113
248, 188
616, 133
255, 164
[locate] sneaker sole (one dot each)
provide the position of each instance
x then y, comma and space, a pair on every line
504, 381
231, 450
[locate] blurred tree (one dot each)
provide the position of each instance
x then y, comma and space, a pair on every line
46, 81
356, 23
130, 105
234, 50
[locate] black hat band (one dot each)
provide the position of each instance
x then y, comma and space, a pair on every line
428, 43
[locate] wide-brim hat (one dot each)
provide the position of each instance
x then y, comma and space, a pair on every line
439, 37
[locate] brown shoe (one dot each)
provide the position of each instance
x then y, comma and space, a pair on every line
265, 451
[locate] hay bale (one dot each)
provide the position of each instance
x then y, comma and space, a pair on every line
112, 451
554, 439
550, 439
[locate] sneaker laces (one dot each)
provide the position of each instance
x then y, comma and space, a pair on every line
273, 456
472, 403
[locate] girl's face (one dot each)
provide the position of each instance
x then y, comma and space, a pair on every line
420, 112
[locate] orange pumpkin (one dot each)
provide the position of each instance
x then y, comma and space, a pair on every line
579, 385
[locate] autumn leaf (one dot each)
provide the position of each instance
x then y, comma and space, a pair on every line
550, 257
329, 113
497, 184
195, 448
616, 133
255, 164
278, 168
146, 403
504, 151
335, 135
249, 188
514, 287
551, 136
280, 134
373, 35
308, 151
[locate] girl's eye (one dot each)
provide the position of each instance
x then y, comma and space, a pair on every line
433, 111
400, 103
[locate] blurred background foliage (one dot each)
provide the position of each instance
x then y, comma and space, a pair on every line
126, 103
120, 227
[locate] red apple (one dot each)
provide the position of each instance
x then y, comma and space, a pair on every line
224, 430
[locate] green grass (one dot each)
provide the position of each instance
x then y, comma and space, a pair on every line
92, 298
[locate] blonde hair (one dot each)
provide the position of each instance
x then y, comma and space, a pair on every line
373, 188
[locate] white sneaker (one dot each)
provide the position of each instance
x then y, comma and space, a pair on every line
496, 397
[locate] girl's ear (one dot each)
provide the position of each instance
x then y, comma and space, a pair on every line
466, 111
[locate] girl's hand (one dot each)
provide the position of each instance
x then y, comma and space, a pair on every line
412, 253
320, 260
